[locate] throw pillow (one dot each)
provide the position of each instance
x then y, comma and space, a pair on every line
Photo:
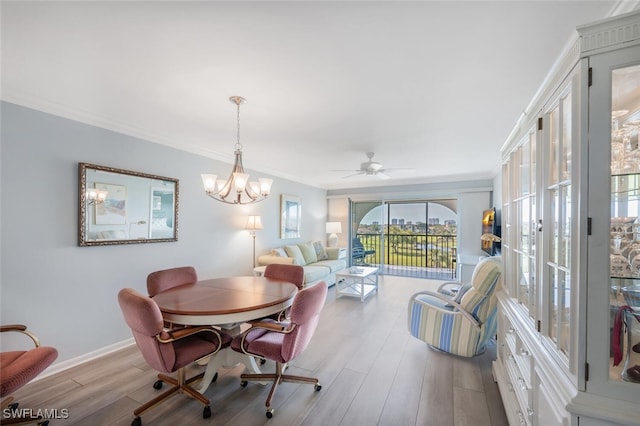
308, 252
279, 252
294, 251
321, 252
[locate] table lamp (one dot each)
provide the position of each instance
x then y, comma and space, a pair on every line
333, 228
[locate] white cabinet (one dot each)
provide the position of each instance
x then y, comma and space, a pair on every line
571, 199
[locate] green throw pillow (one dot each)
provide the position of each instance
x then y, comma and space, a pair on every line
294, 251
309, 253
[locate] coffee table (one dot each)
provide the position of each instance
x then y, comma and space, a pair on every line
358, 281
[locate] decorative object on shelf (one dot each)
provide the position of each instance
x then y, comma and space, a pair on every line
237, 189
619, 264
490, 237
627, 319
333, 228
253, 224
290, 216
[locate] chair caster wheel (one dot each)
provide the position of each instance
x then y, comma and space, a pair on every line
158, 385
269, 413
206, 413
137, 421
14, 406
215, 377
244, 383
263, 361
45, 423
317, 387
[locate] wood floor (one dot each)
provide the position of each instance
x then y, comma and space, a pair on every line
371, 370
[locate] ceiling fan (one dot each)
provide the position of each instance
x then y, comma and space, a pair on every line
372, 168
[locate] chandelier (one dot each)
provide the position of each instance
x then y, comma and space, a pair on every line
237, 189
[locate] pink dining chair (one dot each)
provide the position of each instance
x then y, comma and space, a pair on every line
283, 342
168, 351
17, 368
159, 281
291, 273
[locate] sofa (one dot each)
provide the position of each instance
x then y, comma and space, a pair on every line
320, 263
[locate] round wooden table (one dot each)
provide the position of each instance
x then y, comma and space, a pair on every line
227, 303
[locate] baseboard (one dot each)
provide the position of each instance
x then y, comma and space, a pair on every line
74, 362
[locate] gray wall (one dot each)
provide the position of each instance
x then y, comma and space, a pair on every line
67, 294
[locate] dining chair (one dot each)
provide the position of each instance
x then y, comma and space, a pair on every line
17, 368
165, 279
168, 351
464, 324
290, 273
283, 342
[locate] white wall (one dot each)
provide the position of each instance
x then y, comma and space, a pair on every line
65, 293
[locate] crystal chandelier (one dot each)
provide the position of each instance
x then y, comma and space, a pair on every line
237, 189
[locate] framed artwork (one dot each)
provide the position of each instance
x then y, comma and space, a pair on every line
290, 216
113, 211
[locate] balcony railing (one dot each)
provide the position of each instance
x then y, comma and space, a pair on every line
421, 255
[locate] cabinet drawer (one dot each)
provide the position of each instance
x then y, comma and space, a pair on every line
521, 388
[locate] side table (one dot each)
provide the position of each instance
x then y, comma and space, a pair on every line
258, 271
357, 282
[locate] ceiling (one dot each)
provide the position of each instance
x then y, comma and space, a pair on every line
432, 86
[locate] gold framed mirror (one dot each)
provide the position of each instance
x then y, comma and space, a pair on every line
118, 206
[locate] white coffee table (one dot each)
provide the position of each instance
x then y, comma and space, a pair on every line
358, 281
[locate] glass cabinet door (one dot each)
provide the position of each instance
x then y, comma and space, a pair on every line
624, 261
613, 322
525, 247
558, 132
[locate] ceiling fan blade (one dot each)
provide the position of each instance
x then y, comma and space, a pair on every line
383, 175
353, 174
401, 170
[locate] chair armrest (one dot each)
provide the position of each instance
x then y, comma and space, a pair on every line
20, 328
449, 288
271, 326
181, 333
448, 301
274, 327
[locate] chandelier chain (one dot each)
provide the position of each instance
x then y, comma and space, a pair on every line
238, 144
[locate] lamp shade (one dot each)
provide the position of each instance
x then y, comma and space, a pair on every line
334, 228
254, 222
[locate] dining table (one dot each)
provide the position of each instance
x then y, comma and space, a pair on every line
228, 303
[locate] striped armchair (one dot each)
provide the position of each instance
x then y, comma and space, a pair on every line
461, 326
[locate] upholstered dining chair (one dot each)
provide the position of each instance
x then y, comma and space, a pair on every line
165, 279
291, 273
17, 368
462, 325
168, 351
283, 342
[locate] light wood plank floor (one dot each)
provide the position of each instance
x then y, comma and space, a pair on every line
371, 370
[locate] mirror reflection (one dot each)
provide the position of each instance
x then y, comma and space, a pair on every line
123, 207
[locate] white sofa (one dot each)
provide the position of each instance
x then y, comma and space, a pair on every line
320, 263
